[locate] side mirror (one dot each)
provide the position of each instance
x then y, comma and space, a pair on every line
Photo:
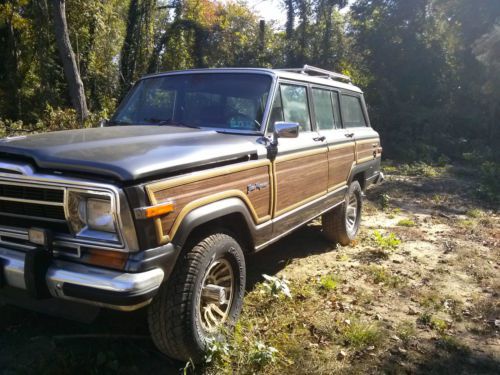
103, 122
285, 130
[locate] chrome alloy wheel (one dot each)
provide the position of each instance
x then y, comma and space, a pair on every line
351, 215
216, 294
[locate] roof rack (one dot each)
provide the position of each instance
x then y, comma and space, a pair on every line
308, 69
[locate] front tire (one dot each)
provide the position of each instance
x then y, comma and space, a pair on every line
204, 292
341, 225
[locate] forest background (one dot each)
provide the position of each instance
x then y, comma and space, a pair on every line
430, 69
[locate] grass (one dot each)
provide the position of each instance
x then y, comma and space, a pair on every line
360, 335
474, 213
406, 223
386, 242
329, 282
381, 275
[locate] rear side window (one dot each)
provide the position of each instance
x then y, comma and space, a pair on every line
323, 109
295, 108
352, 112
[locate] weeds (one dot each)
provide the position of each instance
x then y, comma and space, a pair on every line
428, 320
474, 213
406, 223
262, 354
381, 275
276, 287
384, 200
421, 169
406, 331
360, 335
329, 282
388, 242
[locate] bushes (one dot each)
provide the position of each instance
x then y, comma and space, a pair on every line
53, 119
489, 185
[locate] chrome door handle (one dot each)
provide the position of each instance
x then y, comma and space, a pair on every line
319, 139
349, 135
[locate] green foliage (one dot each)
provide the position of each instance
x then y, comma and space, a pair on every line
360, 335
406, 223
387, 242
329, 282
420, 169
276, 287
262, 354
489, 187
218, 349
434, 100
381, 275
384, 200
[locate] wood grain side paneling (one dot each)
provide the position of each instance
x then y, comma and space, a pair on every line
300, 179
340, 161
196, 190
365, 149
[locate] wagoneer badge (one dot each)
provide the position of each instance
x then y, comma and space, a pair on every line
257, 186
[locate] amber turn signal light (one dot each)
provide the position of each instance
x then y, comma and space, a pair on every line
154, 211
106, 258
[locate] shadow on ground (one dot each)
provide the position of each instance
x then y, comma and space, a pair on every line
32, 342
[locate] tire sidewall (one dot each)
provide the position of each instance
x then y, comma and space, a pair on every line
228, 248
354, 188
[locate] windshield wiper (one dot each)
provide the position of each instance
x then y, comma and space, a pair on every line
118, 122
170, 122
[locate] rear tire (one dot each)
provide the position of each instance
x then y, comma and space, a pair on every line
182, 316
341, 225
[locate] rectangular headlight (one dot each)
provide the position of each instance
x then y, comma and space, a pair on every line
91, 215
99, 215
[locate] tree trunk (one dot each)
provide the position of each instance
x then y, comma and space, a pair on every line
75, 84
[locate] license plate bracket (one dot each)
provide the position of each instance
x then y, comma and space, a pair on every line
36, 264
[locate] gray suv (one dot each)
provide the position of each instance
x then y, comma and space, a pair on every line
160, 206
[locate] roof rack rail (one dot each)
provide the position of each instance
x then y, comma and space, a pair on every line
308, 69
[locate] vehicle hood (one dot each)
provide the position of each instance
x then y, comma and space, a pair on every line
128, 153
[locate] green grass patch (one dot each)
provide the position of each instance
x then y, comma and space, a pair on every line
406, 223
381, 275
329, 282
386, 242
474, 213
360, 335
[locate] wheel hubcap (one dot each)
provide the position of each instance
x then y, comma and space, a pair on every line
352, 212
216, 294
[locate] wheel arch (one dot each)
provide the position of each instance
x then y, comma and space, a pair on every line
230, 213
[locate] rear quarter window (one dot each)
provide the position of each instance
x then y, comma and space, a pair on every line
352, 111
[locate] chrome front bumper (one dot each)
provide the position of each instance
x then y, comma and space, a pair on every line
78, 282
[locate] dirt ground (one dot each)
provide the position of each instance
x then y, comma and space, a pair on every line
421, 285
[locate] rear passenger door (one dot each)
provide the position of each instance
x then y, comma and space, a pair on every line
340, 142
355, 119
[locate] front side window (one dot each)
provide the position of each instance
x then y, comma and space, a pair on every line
323, 109
295, 106
215, 100
352, 112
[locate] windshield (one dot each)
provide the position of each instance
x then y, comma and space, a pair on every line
214, 100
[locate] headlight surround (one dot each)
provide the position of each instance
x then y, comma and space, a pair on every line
91, 214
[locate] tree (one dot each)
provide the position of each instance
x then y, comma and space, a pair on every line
75, 84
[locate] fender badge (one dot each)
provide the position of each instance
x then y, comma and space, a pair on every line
257, 186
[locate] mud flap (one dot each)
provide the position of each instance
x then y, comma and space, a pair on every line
2, 276
36, 265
